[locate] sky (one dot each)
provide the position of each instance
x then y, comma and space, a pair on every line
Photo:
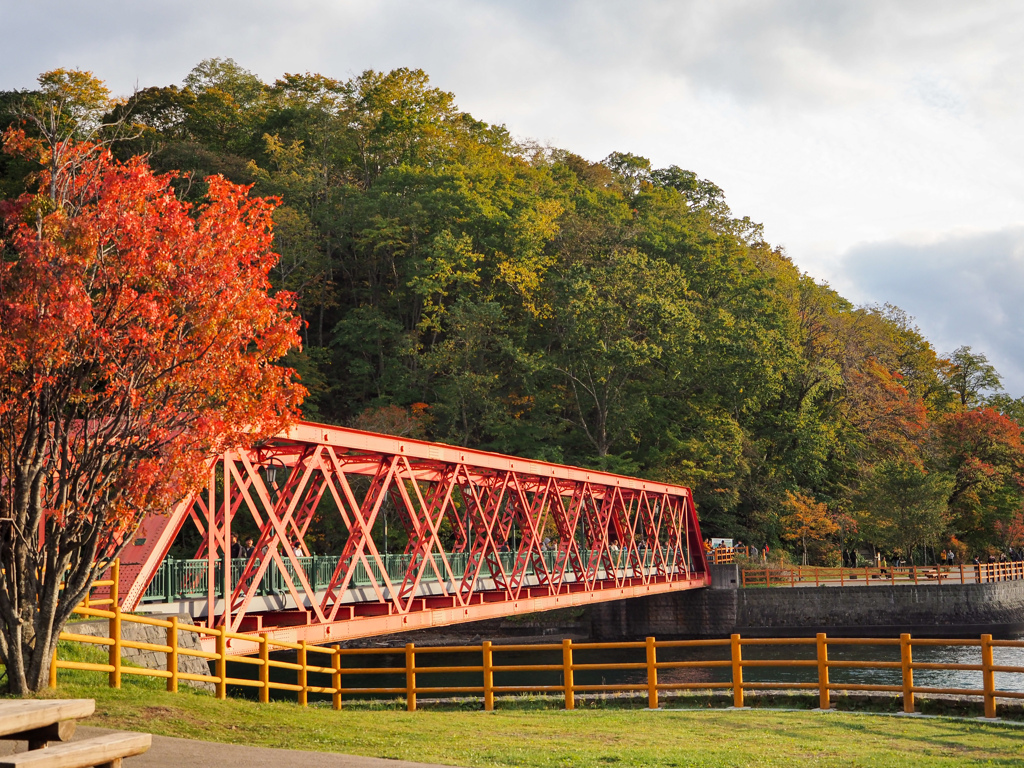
879, 143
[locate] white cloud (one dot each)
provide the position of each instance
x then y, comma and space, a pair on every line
835, 123
962, 289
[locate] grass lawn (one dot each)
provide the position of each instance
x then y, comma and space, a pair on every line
528, 732
525, 736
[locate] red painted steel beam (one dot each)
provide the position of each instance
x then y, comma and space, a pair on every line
371, 626
642, 536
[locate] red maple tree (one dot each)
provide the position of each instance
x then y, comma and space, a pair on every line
983, 450
891, 421
138, 337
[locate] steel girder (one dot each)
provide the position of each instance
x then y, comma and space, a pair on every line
609, 537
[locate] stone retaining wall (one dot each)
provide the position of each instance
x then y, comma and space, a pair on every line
144, 633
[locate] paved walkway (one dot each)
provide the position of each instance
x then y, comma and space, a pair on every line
168, 752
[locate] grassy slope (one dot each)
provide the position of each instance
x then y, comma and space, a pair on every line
526, 733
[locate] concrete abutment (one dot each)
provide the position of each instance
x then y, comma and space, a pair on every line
947, 610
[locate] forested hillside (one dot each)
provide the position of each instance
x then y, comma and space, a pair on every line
463, 285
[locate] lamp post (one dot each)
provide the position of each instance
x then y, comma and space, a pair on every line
270, 472
270, 477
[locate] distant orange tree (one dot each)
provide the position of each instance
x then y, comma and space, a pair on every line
806, 521
1012, 531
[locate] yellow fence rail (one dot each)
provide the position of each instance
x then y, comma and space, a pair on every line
325, 662
804, 576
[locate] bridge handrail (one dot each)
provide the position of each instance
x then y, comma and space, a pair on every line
332, 668
187, 578
792, 576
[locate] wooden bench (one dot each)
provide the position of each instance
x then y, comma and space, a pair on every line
105, 751
40, 721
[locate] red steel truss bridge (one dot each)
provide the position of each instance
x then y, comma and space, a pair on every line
488, 536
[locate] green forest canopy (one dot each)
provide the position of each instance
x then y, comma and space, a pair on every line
464, 286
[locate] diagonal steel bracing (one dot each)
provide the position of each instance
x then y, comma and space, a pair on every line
485, 535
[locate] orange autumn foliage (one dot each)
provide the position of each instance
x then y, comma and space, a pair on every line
806, 520
883, 411
129, 319
138, 337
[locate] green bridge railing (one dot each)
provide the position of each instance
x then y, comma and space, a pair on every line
187, 579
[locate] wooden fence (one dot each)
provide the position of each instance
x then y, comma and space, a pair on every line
805, 576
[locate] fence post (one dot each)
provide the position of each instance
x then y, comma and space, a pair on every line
988, 676
172, 655
336, 677
410, 676
303, 693
906, 657
961, 573
567, 676
737, 672
53, 667
823, 692
652, 674
264, 670
114, 627
222, 663
488, 676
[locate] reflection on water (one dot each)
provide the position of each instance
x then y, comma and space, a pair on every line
922, 654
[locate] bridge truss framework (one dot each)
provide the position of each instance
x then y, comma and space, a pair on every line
613, 537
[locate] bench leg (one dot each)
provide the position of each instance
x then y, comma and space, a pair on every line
115, 763
38, 738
